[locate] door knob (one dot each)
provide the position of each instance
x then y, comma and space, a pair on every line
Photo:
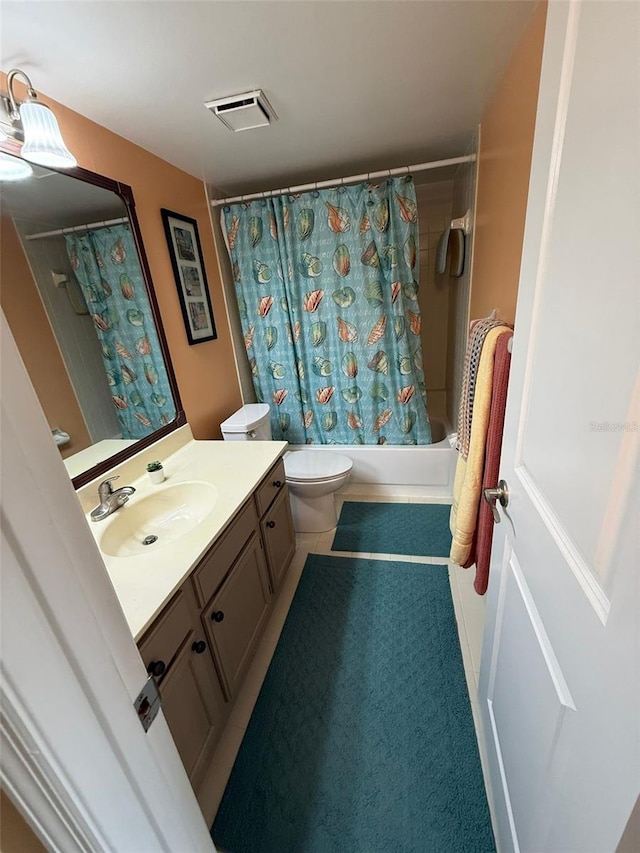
157, 668
500, 494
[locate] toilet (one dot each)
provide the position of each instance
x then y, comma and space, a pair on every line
313, 476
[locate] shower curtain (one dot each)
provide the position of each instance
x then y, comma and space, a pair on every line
327, 287
105, 262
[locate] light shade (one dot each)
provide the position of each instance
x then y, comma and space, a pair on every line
13, 168
43, 142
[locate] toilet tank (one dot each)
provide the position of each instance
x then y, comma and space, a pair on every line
250, 423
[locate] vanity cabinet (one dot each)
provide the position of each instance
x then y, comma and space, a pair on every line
279, 538
176, 652
201, 645
276, 523
236, 615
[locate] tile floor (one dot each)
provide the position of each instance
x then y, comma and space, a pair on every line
469, 610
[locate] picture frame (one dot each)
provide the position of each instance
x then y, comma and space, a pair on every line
191, 279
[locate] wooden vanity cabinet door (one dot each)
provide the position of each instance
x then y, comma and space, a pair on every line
279, 538
235, 616
194, 705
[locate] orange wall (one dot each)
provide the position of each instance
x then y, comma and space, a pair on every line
30, 326
206, 372
16, 836
506, 143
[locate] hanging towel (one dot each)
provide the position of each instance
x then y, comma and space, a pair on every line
469, 471
451, 245
456, 250
479, 331
483, 537
442, 251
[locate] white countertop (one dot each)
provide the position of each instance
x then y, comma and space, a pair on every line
144, 583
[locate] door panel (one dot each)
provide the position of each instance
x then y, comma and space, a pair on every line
193, 704
279, 538
525, 664
581, 331
243, 603
559, 682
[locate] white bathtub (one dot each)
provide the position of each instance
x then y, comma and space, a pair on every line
424, 469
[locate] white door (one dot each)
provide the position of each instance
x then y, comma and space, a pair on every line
74, 757
559, 684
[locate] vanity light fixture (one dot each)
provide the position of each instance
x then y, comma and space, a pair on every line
33, 122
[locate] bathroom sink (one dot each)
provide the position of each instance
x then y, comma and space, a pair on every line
145, 524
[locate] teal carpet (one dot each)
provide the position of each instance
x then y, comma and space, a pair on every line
362, 739
420, 530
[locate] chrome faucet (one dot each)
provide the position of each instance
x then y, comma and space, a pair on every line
110, 499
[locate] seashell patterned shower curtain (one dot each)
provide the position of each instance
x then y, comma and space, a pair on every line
327, 287
105, 262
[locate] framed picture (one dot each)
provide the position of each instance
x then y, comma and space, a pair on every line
191, 280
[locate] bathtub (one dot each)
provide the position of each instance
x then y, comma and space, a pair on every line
424, 469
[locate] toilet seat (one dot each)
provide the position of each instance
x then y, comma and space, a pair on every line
309, 466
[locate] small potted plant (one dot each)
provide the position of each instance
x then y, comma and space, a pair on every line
156, 472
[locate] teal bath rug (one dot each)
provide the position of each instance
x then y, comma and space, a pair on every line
420, 530
362, 739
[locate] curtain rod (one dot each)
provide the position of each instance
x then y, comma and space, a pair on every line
352, 179
88, 227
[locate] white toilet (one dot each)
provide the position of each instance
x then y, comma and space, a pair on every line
312, 475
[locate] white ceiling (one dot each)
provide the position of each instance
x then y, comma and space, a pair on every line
358, 85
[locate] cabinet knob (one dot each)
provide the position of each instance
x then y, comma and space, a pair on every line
277, 483
217, 615
199, 647
271, 524
157, 668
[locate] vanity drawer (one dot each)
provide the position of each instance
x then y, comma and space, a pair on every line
270, 487
161, 644
214, 567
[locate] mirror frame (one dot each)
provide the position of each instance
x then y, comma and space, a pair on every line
125, 193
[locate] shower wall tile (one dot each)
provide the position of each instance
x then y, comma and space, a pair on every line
434, 214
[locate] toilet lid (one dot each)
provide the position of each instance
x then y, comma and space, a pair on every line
315, 465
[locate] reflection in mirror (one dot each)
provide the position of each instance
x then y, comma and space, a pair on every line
74, 294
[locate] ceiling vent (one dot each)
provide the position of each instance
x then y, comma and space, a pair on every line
243, 112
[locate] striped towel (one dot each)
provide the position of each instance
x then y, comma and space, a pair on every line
469, 472
479, 331
483, 537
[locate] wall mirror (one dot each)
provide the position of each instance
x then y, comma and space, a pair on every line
77, 294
